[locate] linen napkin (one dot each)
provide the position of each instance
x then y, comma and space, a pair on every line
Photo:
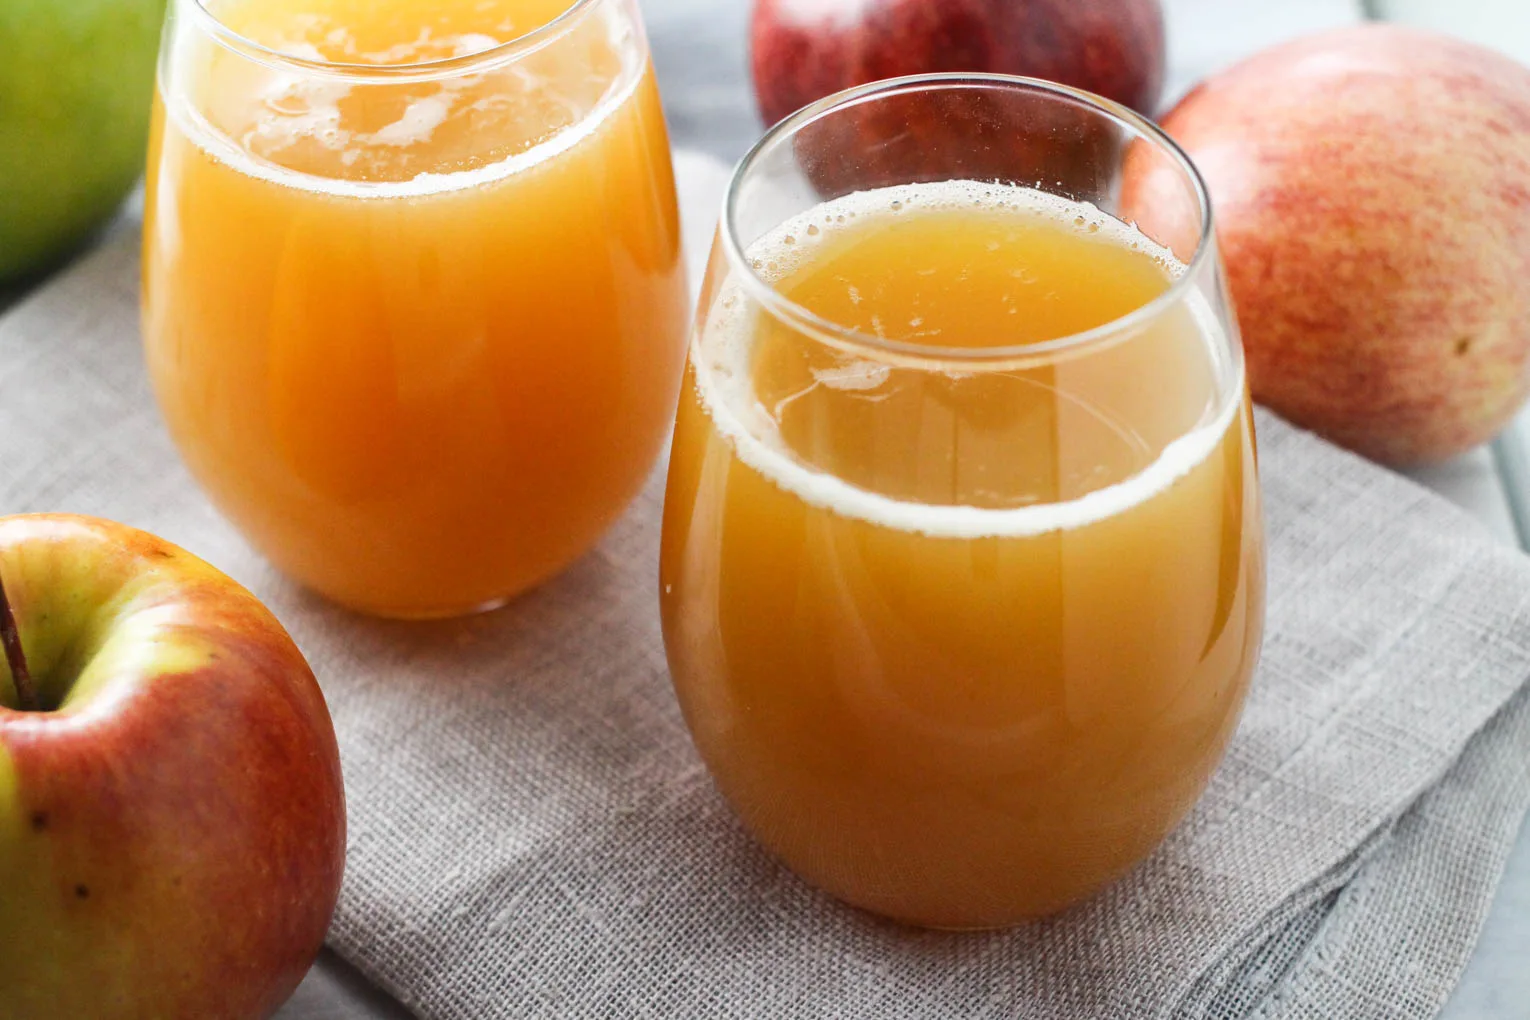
532, 833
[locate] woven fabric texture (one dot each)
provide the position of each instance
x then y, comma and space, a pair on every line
532, 833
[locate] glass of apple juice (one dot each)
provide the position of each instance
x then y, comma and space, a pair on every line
962, 572
414, 306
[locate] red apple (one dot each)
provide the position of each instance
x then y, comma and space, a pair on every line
1372, 192
905, 136
172, 822
803, 50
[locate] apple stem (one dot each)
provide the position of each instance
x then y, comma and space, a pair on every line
10, 636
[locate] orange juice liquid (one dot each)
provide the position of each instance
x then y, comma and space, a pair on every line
420, 340
961, 641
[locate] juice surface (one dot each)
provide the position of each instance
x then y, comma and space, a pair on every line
420, 340
385, 33
961, 641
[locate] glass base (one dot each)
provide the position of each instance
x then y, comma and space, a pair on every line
427, 615
447, 611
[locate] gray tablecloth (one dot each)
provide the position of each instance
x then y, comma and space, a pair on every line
532, 834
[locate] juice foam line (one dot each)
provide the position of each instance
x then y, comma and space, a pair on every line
220, 147
721, 357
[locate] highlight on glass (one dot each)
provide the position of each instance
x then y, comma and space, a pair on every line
414, 304
962, 572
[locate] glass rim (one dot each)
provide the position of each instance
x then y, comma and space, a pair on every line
495, 56
761, 290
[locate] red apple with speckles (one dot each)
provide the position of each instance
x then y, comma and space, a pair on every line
172, 821
803, 50
1371, 187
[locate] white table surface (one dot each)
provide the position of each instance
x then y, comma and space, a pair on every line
699, 49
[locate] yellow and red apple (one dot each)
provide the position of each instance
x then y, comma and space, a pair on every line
1372, 192
172, 820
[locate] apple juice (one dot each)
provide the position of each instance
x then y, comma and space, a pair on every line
960, 603
418, 337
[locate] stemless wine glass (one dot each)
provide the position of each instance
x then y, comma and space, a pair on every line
414, 306
962, 571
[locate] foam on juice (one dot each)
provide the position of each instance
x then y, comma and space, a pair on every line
721, 356
293, 107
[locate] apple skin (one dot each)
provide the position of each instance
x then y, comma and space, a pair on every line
1371, 187
172, 835
76, 81
803, 50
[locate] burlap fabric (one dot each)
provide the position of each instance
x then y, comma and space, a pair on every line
533, 835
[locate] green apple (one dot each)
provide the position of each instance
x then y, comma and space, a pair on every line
76, 79
172, 820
